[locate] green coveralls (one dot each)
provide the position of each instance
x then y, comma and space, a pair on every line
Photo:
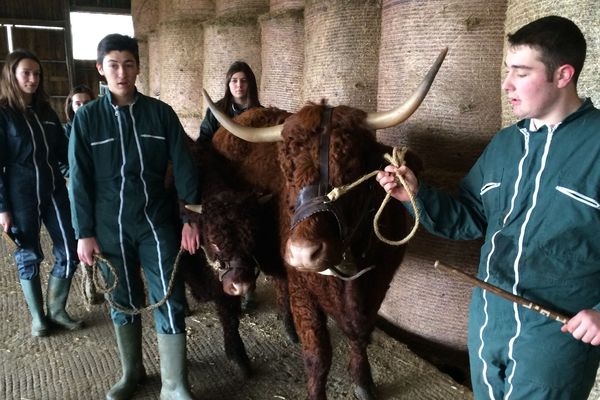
118, 159
535, 197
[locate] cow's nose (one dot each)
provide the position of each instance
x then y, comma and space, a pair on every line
304, 254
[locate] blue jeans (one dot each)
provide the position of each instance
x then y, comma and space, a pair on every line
54, 213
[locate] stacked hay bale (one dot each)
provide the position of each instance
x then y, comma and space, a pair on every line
145, 14
282, 36
231, 36
449, 131
280, 5
182, 56
586, 14
341, 48
230, 7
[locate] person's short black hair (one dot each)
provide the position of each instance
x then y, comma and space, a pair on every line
558, 40
118, 42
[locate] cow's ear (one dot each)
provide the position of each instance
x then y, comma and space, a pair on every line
215, 248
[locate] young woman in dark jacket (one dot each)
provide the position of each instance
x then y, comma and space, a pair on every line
33, 191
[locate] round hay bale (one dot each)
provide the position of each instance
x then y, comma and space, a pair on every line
144, 14
278, 5
245, 7
181, 69
450, 129
430, 303
282, 59
143, 80
154, 64
176, 10
227, 39
586, 14
342, 38
463, 104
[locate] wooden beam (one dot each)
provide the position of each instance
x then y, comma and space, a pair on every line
34, 22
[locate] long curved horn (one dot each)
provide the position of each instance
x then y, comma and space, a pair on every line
386, 119
249, 134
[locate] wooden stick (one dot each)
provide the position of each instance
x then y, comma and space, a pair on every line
502, 293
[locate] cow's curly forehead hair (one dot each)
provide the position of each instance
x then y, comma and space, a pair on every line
229, 222
351, 139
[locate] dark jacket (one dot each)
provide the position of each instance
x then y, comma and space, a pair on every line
32, 148
210, 124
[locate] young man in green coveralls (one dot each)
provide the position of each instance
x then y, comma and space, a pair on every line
119, 149
534, 195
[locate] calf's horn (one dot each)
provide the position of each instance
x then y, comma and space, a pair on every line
249, 134
386, 119
194, 207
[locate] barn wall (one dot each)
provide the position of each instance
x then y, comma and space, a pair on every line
371, 55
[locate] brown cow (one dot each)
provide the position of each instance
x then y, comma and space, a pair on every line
322, 148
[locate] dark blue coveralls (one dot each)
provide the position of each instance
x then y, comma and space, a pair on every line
118, 157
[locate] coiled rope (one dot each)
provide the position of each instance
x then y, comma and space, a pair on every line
396, 159
92, 285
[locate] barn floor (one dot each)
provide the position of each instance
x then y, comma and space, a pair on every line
84, 364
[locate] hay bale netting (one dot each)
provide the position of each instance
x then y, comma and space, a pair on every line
181, 57
154, 64
176, 10
241, 7
227, 39
342, 42
282, 59
586, 14
457, 119
143, 80
144, 14
278, 5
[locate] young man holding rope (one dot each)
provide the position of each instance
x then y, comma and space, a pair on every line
119, 150
534, 195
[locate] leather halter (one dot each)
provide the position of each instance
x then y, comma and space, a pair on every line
313, 199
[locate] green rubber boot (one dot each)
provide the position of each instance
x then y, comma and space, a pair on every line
56, 299
173, 367
129, 341
32, 290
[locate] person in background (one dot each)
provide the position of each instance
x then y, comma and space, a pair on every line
241, 94
119, 150
32, 191
78, 96
534, 195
